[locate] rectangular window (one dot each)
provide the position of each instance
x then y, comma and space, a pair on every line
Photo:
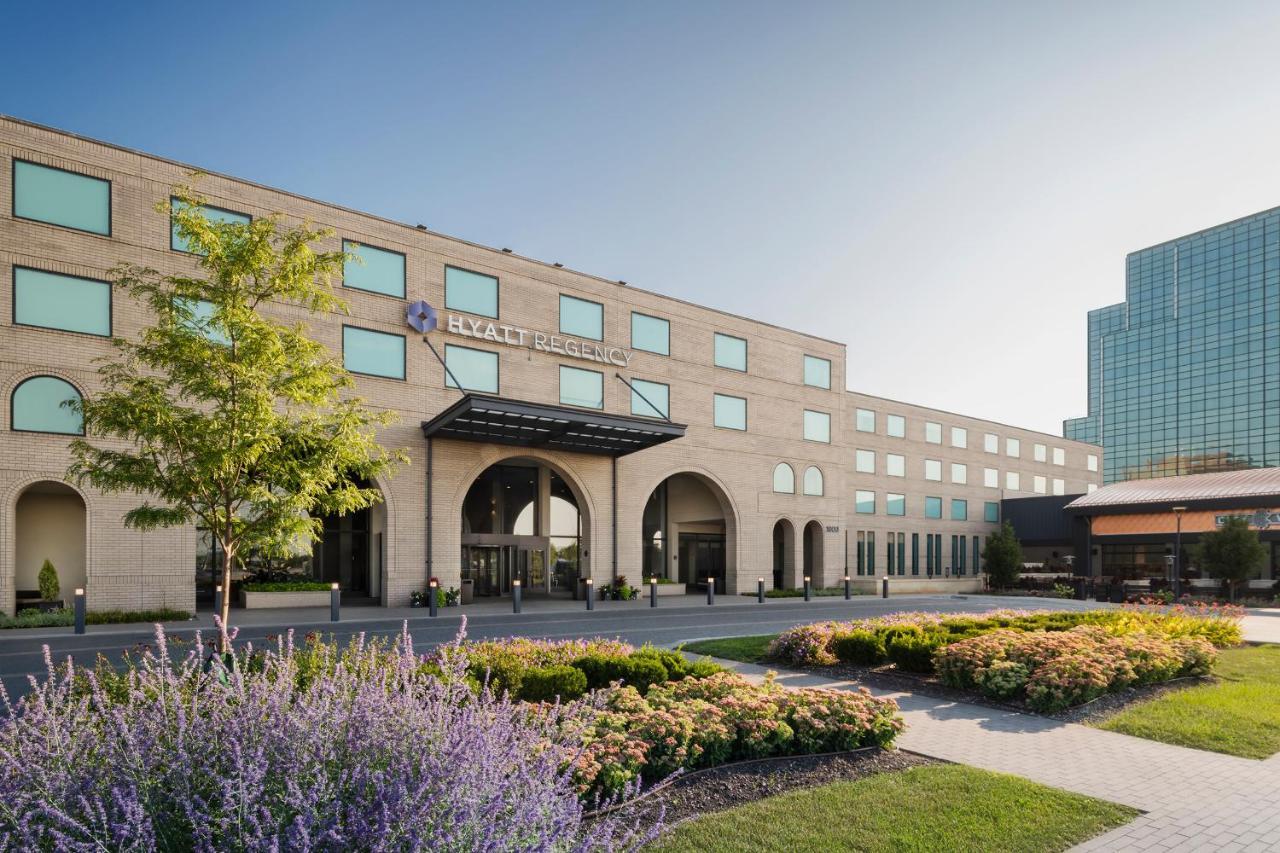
651, 334
67, 302
991, 511
1059, 456
1091, 462
932, 432
580, 387
650, 399
864, 420
581, 317
201, 320
895, 426
991, 478
1038, 452
959, 437
59, 197
730, 412
915, 553
864, 502
862, 551
933, 470
817, 372
372, 269
888, 554
1038, 485
1012, 481
902, 553
472, 292
730, 352
1012, 447
977, 565
933, 507
817, 426
955, 547
476, 369
895, 504
928, 553
960, 566
991, 442
373, 353
959, 509
871, 552
1059, 486
895, 465
959, 474
864, 461
213, 214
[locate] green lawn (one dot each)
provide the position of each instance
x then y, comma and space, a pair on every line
1239, 716
745, 649
932, 809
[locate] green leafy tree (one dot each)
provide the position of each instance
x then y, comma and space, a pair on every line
221, 416
1231, 553
1003, 556
47, 580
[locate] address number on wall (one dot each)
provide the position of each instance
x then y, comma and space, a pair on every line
833, 528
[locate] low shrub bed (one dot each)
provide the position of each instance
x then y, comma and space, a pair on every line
799, 593
66, 617
286, 586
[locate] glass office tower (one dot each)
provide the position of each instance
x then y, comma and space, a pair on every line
1184, 375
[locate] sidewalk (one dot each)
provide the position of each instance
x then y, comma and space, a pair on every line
1194, 800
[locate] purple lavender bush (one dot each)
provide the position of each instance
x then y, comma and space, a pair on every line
365, 750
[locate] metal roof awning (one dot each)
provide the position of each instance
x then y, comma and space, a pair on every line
493, 419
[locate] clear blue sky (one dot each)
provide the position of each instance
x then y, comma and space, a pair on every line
946, 187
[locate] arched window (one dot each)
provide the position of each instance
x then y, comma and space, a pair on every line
812, 481
784, 479
37, 406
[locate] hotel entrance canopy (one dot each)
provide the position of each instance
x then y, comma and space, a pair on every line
478, 417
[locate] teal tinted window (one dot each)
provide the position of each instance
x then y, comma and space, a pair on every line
382, 271
476, 369
933, 507
213, 214
731, 352
580, 387
473, 292
991, 511
374, 353
38, 406
895, 504
66, 302
864, 502
651, 334
959, 509
650, 399
581, 318
730, 412
817, 426
61, 198
202, 320
817, 371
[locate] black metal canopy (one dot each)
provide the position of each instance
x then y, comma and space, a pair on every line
478, 417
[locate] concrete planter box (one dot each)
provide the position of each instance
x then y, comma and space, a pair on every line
265, 600
916, 584
665, 589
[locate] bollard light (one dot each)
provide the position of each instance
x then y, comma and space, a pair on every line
217, 601
335, 598
760, 590
653, 591
432, 592
885, 588
807, 588
711, 590
515, 595
848, 588
591, 595
79, 611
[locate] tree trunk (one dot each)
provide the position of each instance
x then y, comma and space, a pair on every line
224, 617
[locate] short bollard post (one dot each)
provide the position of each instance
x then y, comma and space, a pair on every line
653, 592
433, 606
884, 590
760, 590
711, 590
335, 598
808, 588
515, 595
79, 605
217, 601
848, 588
591, 595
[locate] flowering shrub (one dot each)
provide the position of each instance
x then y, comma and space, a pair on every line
371, 751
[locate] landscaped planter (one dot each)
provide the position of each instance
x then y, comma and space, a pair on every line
291, 598
665, 589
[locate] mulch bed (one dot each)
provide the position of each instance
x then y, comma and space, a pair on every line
891, 678
719, 788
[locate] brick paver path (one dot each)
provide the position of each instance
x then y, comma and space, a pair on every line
1192, 799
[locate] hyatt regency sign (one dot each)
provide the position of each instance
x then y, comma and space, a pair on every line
423, 318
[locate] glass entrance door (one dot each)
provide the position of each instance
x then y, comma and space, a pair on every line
702, 556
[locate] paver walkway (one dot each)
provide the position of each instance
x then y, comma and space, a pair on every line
1192, 799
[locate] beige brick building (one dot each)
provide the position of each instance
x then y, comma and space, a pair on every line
606, 430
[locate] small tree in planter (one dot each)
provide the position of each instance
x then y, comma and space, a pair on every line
1003, 556
1231, 553
47, 580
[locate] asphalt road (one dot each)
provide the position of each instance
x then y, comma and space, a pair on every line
21, 657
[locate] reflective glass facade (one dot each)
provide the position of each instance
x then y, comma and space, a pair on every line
1184, 376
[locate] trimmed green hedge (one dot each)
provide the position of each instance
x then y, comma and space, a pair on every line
64, 617
287, 586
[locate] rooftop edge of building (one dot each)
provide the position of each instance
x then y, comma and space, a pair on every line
1205, 230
